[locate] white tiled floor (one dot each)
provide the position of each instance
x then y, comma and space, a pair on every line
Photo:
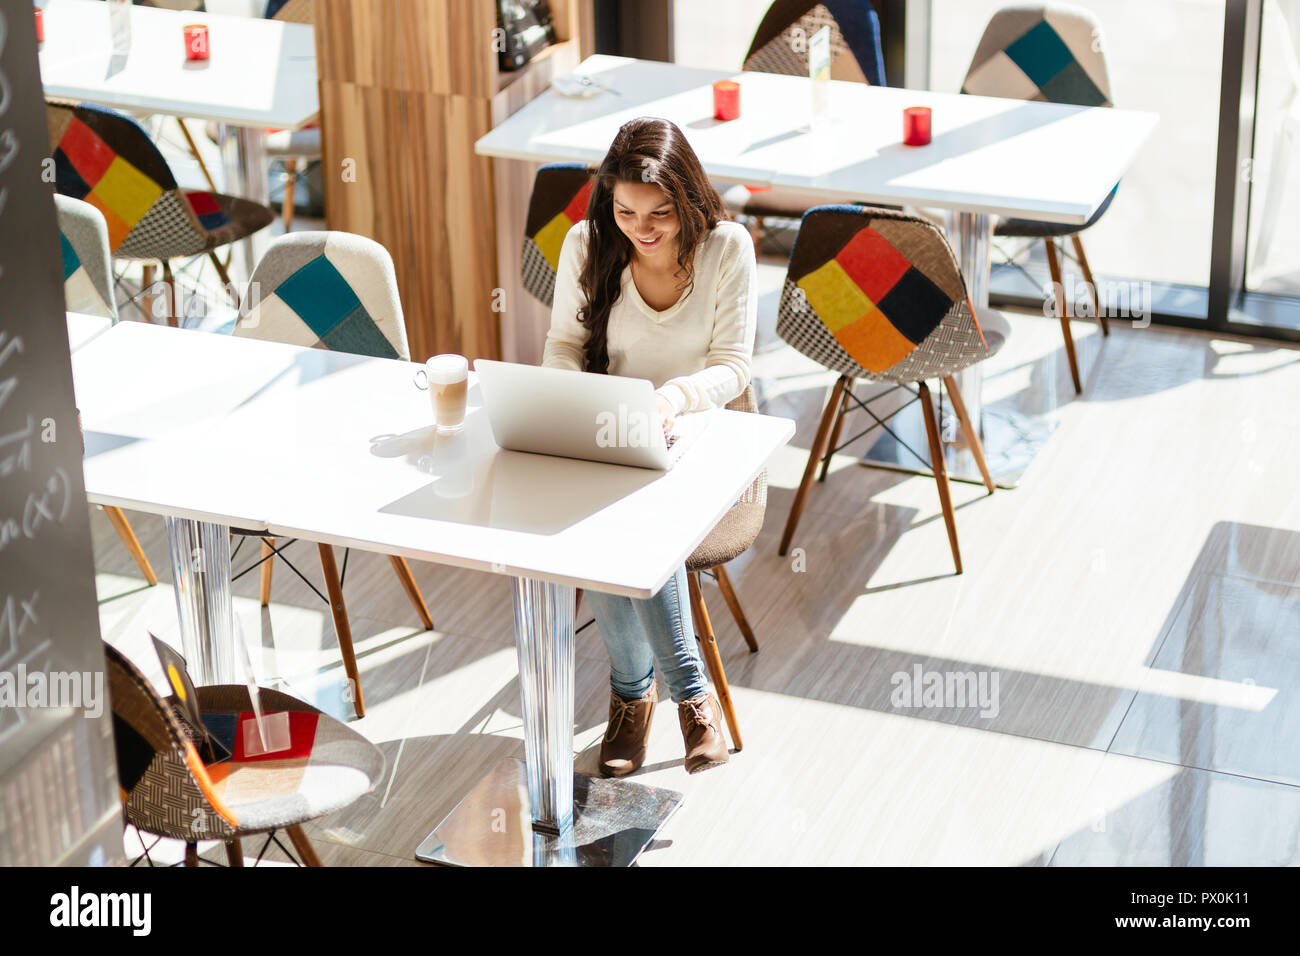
1133, 597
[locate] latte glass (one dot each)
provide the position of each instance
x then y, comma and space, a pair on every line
447, 379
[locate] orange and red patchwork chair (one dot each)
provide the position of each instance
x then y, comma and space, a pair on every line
106, 158
558, 203
877, 295
168, 790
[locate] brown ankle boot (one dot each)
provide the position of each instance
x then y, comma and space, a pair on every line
701, 720
623, 749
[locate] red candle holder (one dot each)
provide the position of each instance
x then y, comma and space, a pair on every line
40, 27
916, 126
726, 100
196, 41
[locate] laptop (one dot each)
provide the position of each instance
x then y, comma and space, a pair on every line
609, 418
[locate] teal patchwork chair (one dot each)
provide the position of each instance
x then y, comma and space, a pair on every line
106, 158
1054, 54
88, 288
87, 267
336, 291
780, 46
558, 202
877, 295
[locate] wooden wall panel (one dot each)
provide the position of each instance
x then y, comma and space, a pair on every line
446, 47
355, 41
406, 88
449, 222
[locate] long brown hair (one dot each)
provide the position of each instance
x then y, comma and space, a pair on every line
646, 150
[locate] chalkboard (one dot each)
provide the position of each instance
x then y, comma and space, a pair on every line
58, 777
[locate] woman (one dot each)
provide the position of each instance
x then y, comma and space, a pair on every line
656, 284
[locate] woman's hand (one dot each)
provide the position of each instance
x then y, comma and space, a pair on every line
666, 413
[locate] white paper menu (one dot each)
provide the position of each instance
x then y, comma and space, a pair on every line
119, 25
819, 71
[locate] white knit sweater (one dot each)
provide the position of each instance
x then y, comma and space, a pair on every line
697, 353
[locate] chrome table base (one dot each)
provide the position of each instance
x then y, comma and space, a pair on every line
538, 813
200, 554
243, 156
613, 821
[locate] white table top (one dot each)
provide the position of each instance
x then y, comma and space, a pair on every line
262, 73
340, 448
1011, 157
82, 328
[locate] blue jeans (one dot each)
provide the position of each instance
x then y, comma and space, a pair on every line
642, 632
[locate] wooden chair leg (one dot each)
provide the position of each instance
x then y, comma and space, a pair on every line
194, 151
412, 591
268, 552
234, 852
835, 434
290, 183
814, 456
1087, 277
577, 601
146, 297
169, 281
970, 431
123, 528
733, 604
306, 852
191, 854
940, 472
757, 232
342, 628
712, 659
1058, 292
226, 284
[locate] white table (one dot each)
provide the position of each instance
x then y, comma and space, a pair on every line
261, 74
84, 328
213, 432
988, 156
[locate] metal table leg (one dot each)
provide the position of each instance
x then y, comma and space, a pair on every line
1011, 438
243, 155
538, 812
970, 232
201, 574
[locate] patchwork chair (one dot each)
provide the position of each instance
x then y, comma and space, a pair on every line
558, 202
337, 291
87, 268
780, 42
88, 288
168, 791
291, 11
1049, 53
780, 46
107, 159
877, 295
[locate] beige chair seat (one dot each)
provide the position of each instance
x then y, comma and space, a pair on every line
780, 201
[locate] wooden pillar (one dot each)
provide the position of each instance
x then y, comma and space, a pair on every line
405, 90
